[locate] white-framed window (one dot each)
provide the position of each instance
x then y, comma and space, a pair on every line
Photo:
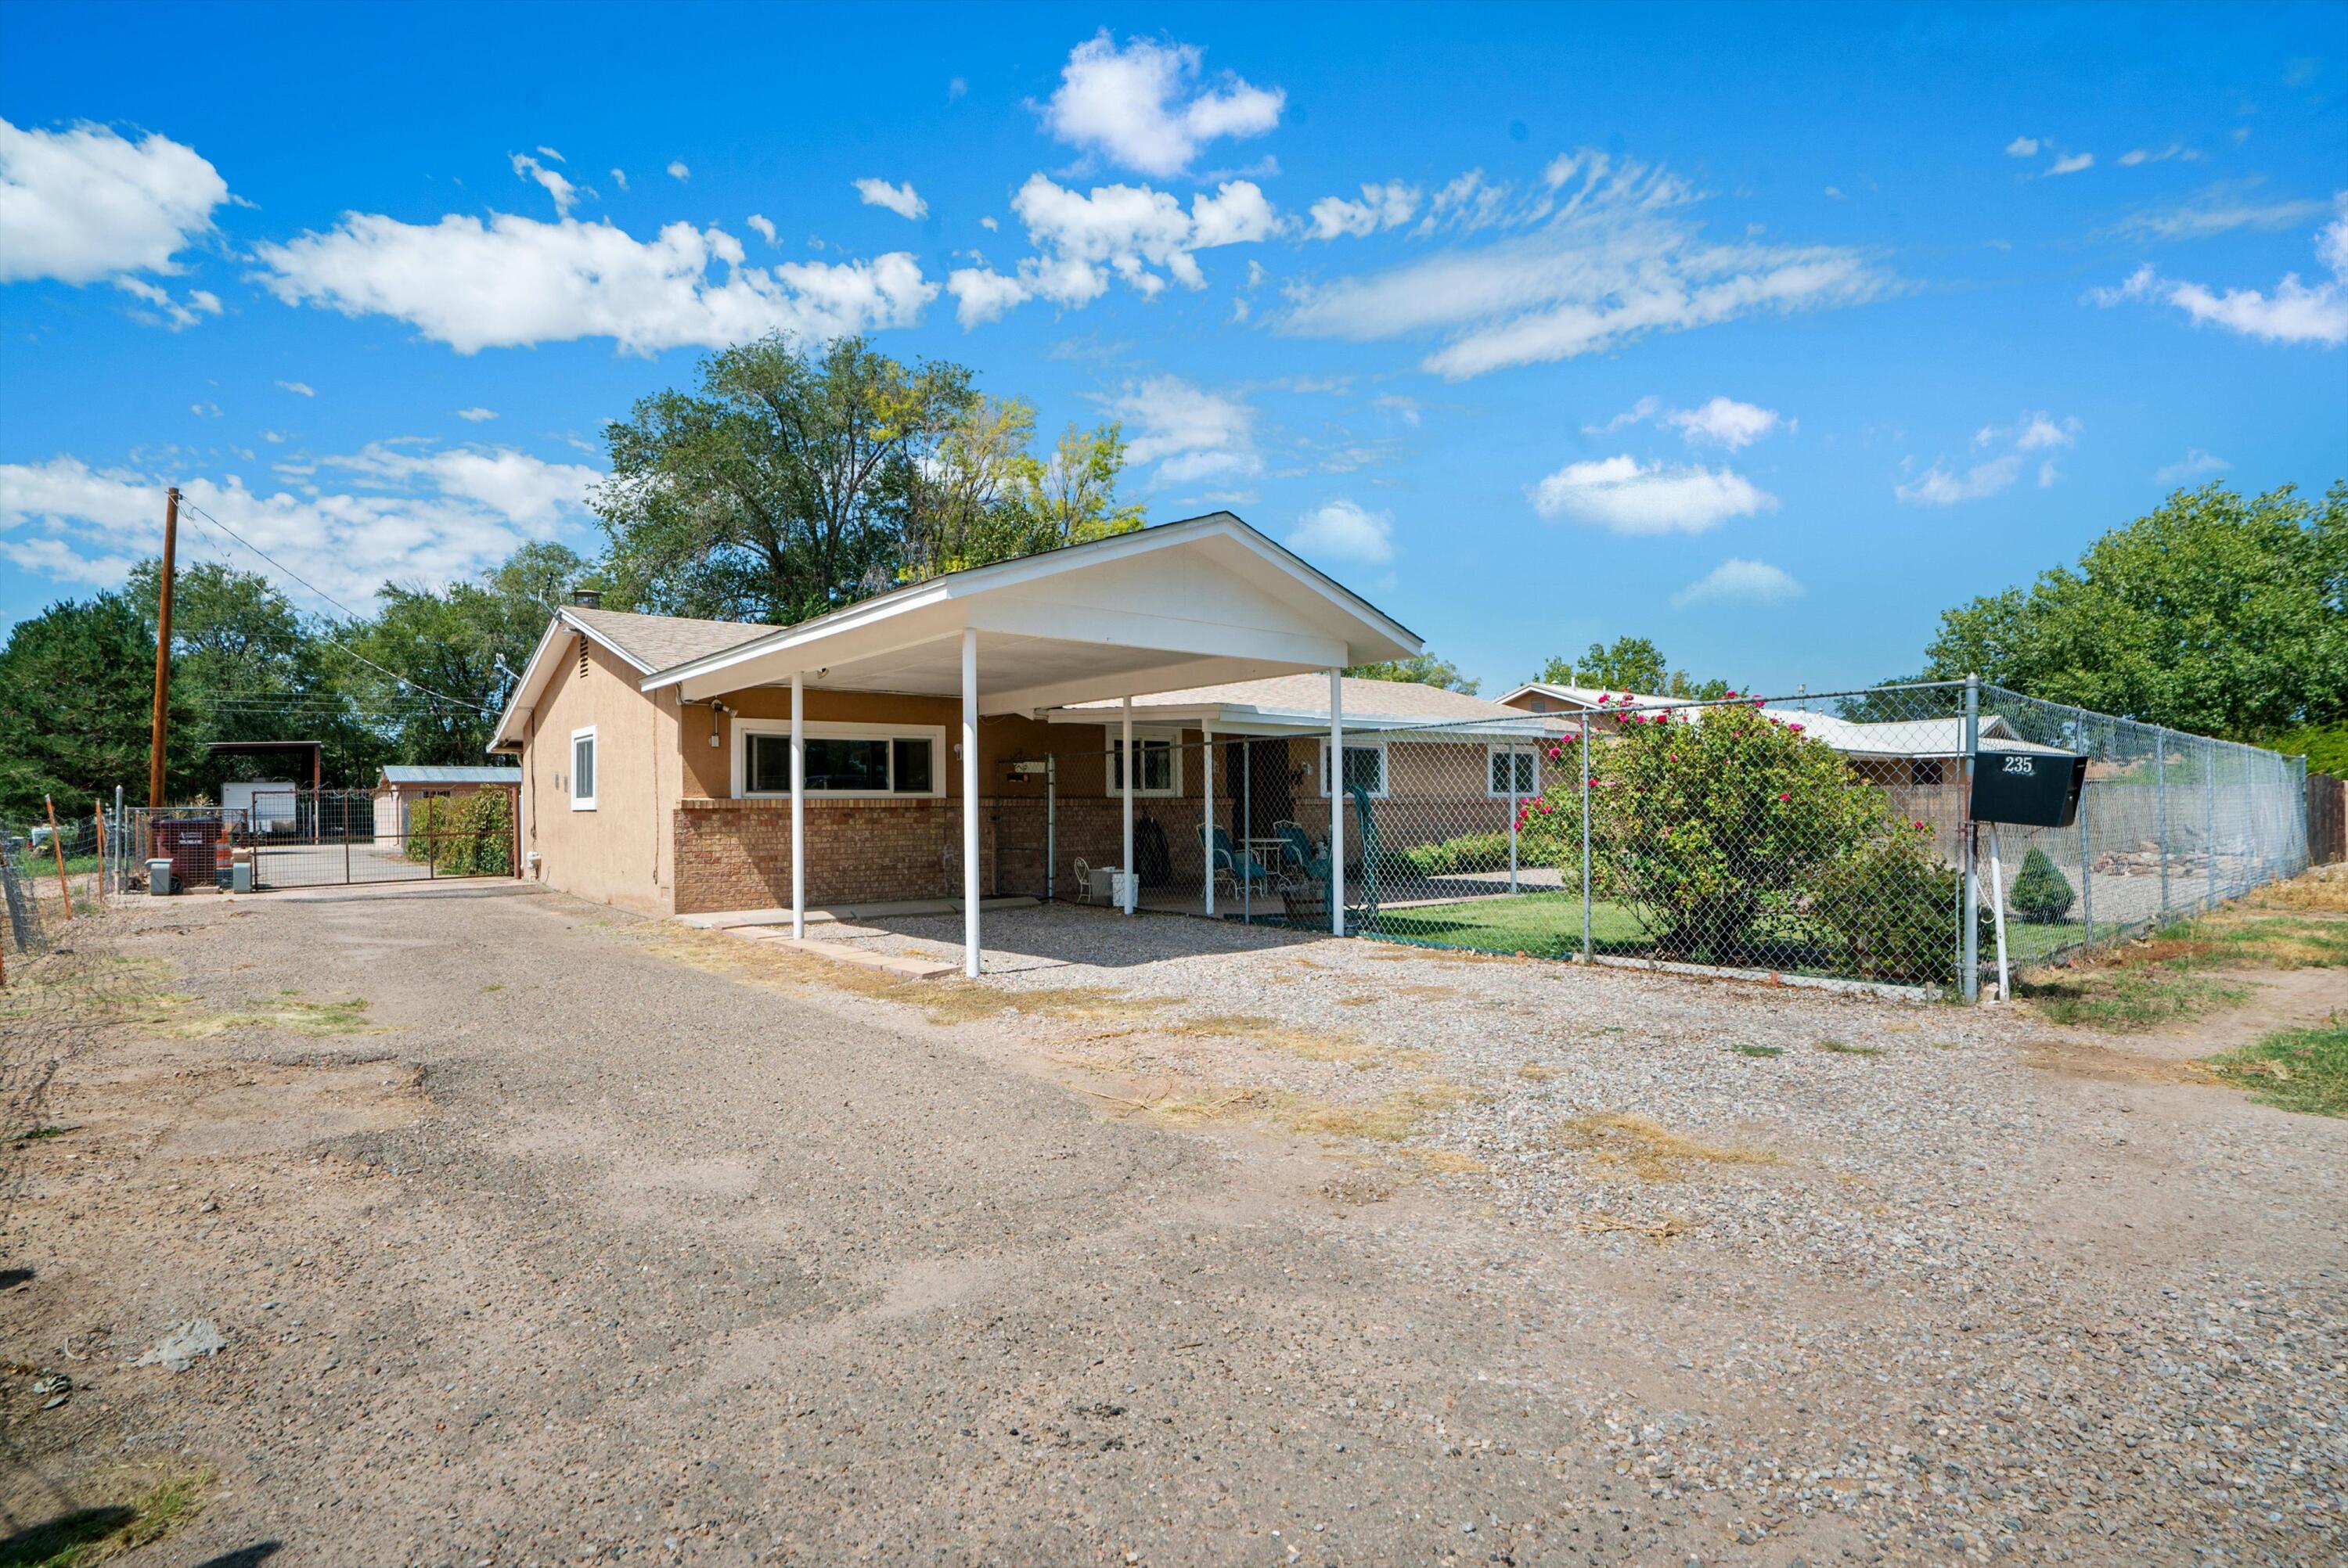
582, 769
1366, 767
844, 762
1500, 760
1157, 761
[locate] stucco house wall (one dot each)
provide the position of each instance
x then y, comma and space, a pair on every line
618, 852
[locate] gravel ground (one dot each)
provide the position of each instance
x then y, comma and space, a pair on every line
1171, 1242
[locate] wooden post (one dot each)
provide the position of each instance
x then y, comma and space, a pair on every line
98, 814
58, 844
156, 736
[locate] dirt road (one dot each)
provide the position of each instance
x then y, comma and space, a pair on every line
559, 1249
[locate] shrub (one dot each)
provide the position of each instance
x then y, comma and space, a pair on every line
2040, 895
1890, 909
1469, 852
462, 835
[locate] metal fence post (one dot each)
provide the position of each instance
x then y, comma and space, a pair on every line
2086, 852
1508, 754
1585, 839
1969, 933
2209, 818
2160, 788
1247, 825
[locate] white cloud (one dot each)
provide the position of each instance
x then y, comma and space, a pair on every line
898, 198
2021, 147
2195, 462
2219, 209
2136, 155
1387, 205
619, 179
2002, 449
1724, 422
678, 172
1738, 581
476, 415
1614, 258
1627, 497
566, 195
1140, 107
299, 388
2073, 163
205, 410
764, 227
411, 514
86, 204
990, 224
2294, 313
1407, 407
515, 280
178, 317
1134, 232
1344, 531
1190, 433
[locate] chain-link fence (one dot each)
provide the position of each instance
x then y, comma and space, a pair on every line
49, 872
1820, 834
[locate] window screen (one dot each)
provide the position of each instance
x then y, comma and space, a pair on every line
1524, 766
583, 768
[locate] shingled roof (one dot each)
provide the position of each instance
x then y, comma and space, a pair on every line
657, 641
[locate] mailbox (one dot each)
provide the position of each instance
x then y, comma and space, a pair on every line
2034, 789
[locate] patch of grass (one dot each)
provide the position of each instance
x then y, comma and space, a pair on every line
1313, 1045
1759, 1049
2128, 1000
1448, 1162
1845, 1048
1534, 1073
2324, 888
1538, 924
1389, 1120
1648, 1150
92, 1535
2303, 1070
303, 1018
40, 1134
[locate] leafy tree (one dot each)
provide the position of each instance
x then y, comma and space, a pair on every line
781, 488
76, 696
2325, 747
983, 497
1424, 668
2214, 614
1629, 664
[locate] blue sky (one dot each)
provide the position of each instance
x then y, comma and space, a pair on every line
1764, 332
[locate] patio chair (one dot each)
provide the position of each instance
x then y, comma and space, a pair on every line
1229, 862
1084, 873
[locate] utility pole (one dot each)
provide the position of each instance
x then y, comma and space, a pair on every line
162, 648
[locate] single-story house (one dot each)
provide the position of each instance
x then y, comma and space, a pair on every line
1599, 702
677, 766
401, 784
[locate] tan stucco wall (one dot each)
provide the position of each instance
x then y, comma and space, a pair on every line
619, 853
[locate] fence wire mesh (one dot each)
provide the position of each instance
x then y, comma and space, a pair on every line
1822, 835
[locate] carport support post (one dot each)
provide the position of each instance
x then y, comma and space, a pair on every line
1336, 801
799, 805
1207, 832
970, 801
1125, 793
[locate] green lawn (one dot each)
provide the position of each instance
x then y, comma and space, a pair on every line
1545, 925
2298, 1070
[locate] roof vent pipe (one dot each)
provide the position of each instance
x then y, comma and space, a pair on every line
587, 597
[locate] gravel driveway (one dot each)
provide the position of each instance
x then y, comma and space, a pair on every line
595, 1240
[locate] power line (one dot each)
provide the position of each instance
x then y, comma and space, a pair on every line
338, 604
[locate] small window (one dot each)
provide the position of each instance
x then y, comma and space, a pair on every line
1926, 771
1523, 763
766, 765
1156, 766
583, 770
1365, 769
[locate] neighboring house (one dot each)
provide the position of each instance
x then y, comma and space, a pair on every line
656, 753
400, 785
1572, 702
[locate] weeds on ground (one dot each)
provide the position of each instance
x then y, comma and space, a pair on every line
1845, 1048
2325, 888
1761, 1050
1534, 1073
301, 1016
92, 1535
2129, 1000
1387, 1119
1313, 1045
1646, 1148
2297, 1070
111, 990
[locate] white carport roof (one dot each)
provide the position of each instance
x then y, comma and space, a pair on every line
1184, 604
1283, 704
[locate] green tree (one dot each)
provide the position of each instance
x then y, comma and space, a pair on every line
2214, 614
1629, 664
1424, 668
76, 696
783, 486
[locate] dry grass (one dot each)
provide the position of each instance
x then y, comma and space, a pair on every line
1603, 1223
1390, 1118
940, 1002
1448, 1162
301, 1016
1534, 1073
2324, 890
1646, 1148
150, 1509
1313, 1045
